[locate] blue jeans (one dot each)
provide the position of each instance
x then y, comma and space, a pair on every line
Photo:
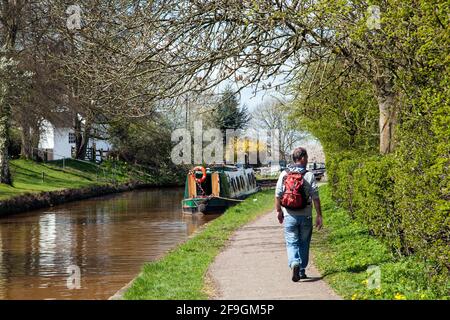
297, 233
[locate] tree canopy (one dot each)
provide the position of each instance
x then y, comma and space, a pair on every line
228, 114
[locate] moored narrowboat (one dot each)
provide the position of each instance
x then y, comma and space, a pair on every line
214, 189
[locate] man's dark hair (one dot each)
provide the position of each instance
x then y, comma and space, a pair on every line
298, 154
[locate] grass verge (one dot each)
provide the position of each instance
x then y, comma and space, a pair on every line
33, 177
181, 273
344, 250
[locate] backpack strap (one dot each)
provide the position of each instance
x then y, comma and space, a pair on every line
303, 172
287, 172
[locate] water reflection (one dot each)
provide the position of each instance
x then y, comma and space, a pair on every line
109, 238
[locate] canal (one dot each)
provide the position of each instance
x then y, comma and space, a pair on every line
107, 239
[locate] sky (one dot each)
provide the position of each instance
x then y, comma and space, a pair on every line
252, 100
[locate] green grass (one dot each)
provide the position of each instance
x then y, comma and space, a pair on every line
27, 176
344, 250
181, 273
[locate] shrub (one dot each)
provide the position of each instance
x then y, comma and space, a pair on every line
339, 171
345, 183
399, 198
373, 199
422, 193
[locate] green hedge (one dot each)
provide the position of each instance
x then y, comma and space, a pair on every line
396, 203
344, 250
374, 199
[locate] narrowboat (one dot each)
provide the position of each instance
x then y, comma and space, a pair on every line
214, 189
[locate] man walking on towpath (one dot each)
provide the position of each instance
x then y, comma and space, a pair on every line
295, 189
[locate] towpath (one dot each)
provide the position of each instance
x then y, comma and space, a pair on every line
254, 266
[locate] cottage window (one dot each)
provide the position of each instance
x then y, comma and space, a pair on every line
71, 137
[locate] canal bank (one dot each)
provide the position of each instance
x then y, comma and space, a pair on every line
43, 185
42, 200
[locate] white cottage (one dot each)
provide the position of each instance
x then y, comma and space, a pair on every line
59, 141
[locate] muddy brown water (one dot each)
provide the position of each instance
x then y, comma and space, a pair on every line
107, 239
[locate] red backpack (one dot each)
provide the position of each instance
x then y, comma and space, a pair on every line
294, 196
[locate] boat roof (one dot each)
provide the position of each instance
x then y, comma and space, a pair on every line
223, 168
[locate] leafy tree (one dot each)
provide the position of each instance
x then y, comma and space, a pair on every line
227, 114
343, 115
132, 140
404, 196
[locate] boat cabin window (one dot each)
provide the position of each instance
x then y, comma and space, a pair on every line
230, 183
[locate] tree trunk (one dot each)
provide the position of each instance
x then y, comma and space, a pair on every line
30, 136
81, 138
78, 135
5, 117
10, 17
35, 134
387, 104
26, 149
81, 151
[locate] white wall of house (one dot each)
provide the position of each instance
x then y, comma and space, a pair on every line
57, 140
46, 140
62, 148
